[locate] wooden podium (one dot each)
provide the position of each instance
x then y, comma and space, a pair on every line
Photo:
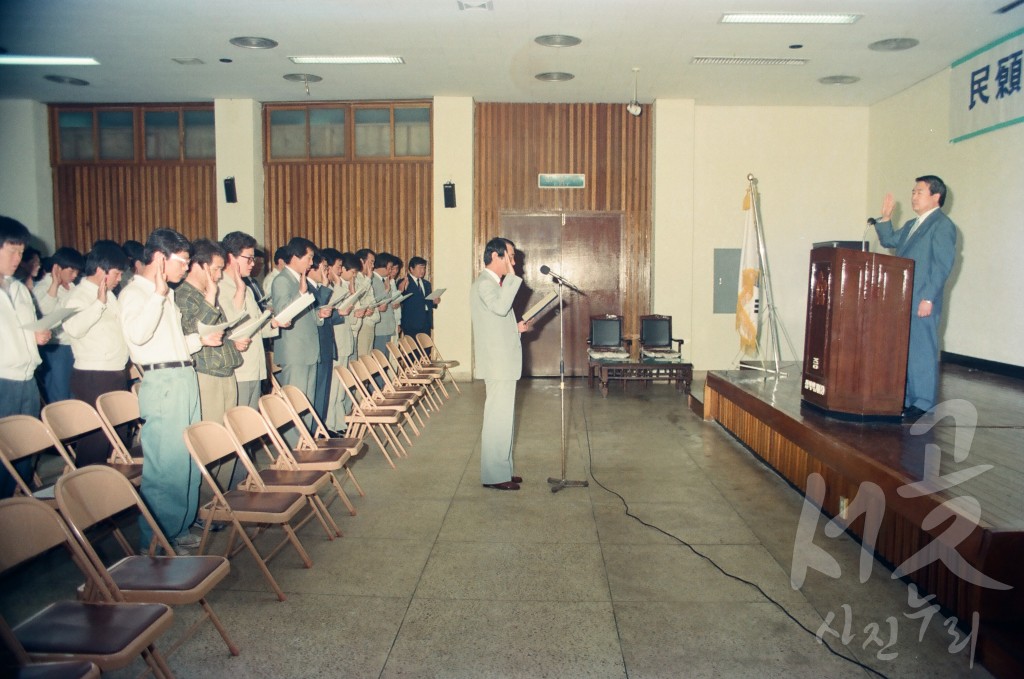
858, 331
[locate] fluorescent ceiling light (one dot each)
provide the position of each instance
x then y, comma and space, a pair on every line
747, 61
347, 60
787, 18
24, 60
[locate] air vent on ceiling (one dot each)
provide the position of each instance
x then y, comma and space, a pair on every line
747, 61
187, 61
486, 6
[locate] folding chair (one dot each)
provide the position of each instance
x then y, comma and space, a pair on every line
210, 443
419, 364
433, 355
107, 633
414, 374
369, 389
308, 482
393, 370
366, 418
23, 437
318, 437
417, 393
72, 419
250, 430
313, 452
88, 496
120, 410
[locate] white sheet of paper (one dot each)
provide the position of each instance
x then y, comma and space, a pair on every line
298, 305
250, 328
436, 294
51, 320
539, 306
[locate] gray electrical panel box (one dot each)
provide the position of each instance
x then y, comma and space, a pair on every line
727, 279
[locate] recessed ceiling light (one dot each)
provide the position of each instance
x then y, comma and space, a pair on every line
347, 60
480, 4
253, 43
787, 18
554, 76
893, 44
66, 80
747, 61
225, 60
26, 60
187, 61
839, 80
557, 40
303, 77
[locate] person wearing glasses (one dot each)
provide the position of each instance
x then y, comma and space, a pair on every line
169, 394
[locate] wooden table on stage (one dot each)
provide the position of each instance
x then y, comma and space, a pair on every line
647, 370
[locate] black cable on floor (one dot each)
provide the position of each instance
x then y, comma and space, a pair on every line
590, 458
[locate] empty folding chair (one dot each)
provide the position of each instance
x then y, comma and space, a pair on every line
210, 443
416, 364
251, 431
393, 376
409, 374
107, 633
433, 355
366, 384
72, 420
365, 418
24, 438
94, 494
119, 411
329, 454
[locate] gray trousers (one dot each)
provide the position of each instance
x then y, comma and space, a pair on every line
498, 431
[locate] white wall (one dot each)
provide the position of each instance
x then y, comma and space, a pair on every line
26, 182
239, 135
811, 167
452, 264
909, 137
672, 256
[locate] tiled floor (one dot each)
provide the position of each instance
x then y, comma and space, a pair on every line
439, 577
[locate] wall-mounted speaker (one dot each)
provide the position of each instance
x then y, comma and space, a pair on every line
230, 195
449, 194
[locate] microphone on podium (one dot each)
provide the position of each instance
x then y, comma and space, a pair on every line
546, 270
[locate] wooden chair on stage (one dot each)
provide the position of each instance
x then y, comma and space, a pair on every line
72, 419
656, 338
210, 443
105, 632
95, 494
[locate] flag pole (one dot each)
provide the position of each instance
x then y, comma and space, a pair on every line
762, 254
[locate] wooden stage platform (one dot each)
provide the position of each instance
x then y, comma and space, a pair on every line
795, 439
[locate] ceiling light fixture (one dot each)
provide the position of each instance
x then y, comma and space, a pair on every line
486, 5
28, 60
66, 80
787, 18
746, 61
839, 80
557, 40
253, 43
554, 76
633, 107
350, 60
304, 78
893, 45
187, 61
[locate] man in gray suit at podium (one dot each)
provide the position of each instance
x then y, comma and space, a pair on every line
929, 240
499, 360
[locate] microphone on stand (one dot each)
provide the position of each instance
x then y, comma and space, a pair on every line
546, 270
864, 236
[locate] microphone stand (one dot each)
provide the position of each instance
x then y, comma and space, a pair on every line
558, 484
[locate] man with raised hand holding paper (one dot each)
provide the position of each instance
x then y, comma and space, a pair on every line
499, 360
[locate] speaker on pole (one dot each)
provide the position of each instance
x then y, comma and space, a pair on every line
449, 194
230, 195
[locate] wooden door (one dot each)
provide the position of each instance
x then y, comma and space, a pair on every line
585, 249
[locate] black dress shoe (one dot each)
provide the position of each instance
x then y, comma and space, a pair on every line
912, 413
517, 479
507, 485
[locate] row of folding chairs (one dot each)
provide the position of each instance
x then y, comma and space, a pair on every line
121, 610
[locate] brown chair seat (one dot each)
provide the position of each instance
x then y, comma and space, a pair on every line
89, 629
243, 502
68, 669
288, 477
131, 471
164, 573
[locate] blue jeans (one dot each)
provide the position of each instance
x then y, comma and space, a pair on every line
17, 397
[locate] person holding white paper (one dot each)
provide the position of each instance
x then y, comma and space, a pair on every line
51, 292
383, 287
19, 393
370, 315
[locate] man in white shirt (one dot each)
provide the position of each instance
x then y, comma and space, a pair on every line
19, 394
364, 279
51, 292
101, 355
169, 397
